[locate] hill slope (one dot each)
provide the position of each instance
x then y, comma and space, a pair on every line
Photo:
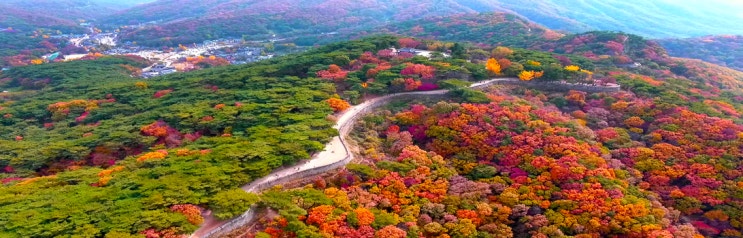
195, 21
72, 9
481, 28
26, 21
722, 50
85, 123
27, 15
659, 19
120, 156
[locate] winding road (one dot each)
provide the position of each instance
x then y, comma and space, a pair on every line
335, 151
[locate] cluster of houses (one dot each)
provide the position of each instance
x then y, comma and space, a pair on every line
176, 62
157, 70
123, 50
234, 50
243, 55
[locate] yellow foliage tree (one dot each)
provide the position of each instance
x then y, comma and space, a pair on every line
140, 85
572, 68
527, 75
533, 63
493, 66
37, 61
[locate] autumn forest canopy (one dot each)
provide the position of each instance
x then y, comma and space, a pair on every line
584, 131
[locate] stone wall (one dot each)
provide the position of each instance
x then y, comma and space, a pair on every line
559, 86
233, 224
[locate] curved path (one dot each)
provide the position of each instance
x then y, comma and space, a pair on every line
335, 151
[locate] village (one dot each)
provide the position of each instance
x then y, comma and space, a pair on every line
184, 58
170, 60
167, 60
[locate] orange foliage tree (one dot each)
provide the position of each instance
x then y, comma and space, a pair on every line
527, 75
364, 216
493, 66
338, 104
192, 213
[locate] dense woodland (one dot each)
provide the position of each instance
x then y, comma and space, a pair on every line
118, 155
722, 50
196, 21
661, 159
527, 165
29, 15
86, 149
498, 29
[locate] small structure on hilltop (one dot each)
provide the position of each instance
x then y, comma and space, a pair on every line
417, 52
51, 57
406, 50
630, 65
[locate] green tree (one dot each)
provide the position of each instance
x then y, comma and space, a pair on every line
458, 51
231, 203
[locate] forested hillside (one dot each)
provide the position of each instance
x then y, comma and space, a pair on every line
89, 150
64, 15
659, 159
501, 29
724, 50
118, 155
481, 28
16, 19
196, 21
70, 9
656, 19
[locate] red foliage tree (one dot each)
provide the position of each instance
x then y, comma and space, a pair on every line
420, 70
408, 42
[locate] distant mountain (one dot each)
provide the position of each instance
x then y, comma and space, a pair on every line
121, 4
24, 20
71, 9
186, 21
656, 19
189, 21
723, 50
28, 15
